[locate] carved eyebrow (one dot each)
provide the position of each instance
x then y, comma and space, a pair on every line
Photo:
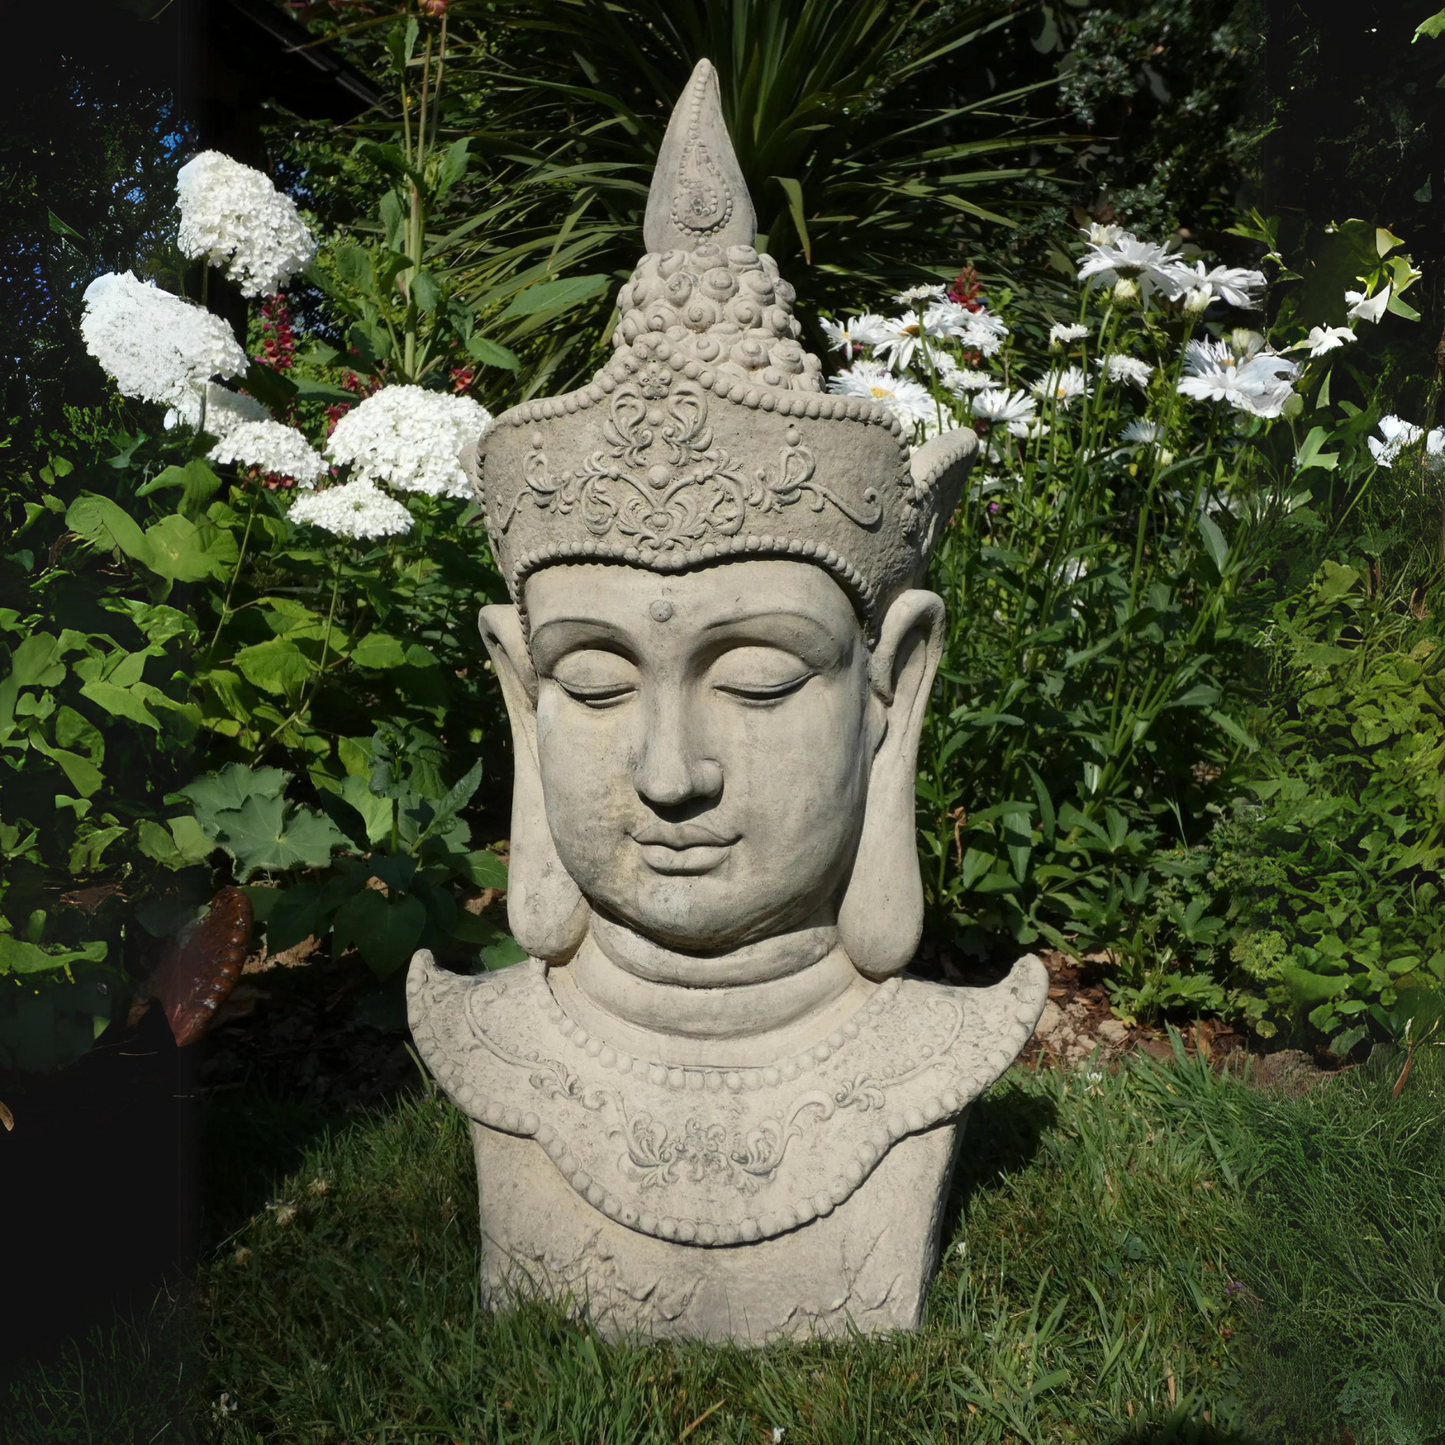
817, 645
557, 634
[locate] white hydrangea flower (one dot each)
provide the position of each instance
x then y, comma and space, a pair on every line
155, 346
357, 511
1061, 335
1063, 387
273, 447
224, 409
1255, 381
1016, 410
1130, 369
410, 438
235, 217
908, 401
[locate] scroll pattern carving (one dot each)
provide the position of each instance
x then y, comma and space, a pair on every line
660, 480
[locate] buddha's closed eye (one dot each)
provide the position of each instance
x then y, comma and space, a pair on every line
595, 677
759, 676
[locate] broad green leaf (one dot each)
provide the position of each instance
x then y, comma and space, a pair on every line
378, 650
1311, 453
83, 774
198, 483
425, 291
189, 552
384, 930
36, 661
1431, 29
559, 295
322, 390
265, 834
453, 165
120, 702
230, 788
275, 666
105, 525
61, 229
17, 956
483, 868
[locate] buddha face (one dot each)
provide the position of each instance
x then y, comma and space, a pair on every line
704, 742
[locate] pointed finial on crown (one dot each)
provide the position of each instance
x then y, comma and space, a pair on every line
698, 192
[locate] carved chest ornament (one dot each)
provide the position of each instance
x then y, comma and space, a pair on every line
711, 1155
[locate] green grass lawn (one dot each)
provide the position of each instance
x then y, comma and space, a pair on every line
1149, 1256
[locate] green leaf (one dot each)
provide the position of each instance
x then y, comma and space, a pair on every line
794, 193
309, 390
483, 868
230, 788
489, 353
105, 525
385, 931
277, 665
184, 845
553, 296
197, 481
378, 650
453, 166
60, 228
425, 291
17, 956
1431, 29
1237, 731
1214, 542
263, 834
82, 774
1311, 453
393, 218
186, 551
120, 702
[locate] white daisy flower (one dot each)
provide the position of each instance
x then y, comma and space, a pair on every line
908, 401
1149, 267
963, 379
900, 339
1011, 409
1257, 382
914, 294
1063, 387
1121, 369
1141, 433
1101, 235
1234, 285
1061, 334
865, 330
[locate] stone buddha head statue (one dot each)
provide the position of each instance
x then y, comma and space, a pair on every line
716, 662
719, 653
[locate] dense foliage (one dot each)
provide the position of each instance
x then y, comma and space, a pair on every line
1189, 718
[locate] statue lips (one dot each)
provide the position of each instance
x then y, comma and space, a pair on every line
682, 847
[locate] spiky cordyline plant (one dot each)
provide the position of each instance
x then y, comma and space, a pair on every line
863, 133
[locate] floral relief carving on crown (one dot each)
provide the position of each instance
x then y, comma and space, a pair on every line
660, 480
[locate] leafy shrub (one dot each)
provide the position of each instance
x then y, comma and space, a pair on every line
1334, 876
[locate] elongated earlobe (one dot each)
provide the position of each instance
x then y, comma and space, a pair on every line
545, 908
881, 918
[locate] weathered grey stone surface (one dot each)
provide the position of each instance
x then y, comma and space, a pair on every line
708, 1106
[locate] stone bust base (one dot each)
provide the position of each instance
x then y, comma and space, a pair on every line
787, 1197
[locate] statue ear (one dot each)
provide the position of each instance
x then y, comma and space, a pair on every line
881, 918
545, 908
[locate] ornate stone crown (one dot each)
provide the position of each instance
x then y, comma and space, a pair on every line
708, 436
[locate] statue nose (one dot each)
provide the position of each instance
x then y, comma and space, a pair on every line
671, 768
